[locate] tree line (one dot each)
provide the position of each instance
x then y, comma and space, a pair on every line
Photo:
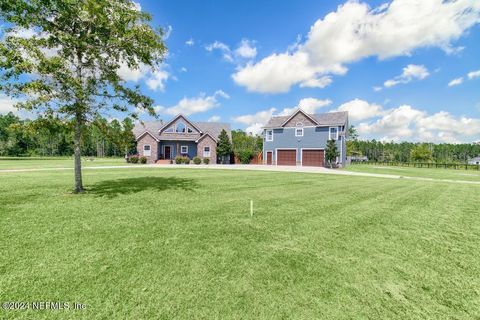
50, 136
410, 151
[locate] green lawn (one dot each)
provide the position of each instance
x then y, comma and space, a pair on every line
153, 243
56, 162
434, 173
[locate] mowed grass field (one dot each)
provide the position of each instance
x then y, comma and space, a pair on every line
181, 244
433, 173
56, 162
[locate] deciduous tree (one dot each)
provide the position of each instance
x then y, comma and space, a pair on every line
62, 57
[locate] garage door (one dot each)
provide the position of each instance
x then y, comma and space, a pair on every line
287, 157
313, 158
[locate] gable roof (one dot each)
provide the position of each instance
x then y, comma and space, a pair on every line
207, 135
176, 118
214, 128
150, 127
154, 128
322, 119
297, 112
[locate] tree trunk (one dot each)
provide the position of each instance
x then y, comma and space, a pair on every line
77, 151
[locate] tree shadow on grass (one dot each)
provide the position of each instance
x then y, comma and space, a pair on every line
114, 188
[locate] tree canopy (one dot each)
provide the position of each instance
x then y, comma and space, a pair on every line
246, 146
421, 152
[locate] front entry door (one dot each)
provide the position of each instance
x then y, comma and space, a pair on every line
168, 153
269, 157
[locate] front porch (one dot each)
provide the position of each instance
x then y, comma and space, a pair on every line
168, 150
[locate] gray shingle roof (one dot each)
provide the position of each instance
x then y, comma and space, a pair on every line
214, 128
323, 119
152, 127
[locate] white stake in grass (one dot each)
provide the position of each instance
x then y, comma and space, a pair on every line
251, 208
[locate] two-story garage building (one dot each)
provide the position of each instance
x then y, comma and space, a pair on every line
301, 138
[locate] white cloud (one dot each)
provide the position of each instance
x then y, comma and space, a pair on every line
214, 119
7, 104
473, 74
455, 82
255, 122
190, 42
360, 109
223, 48
130, 74
395, 123
259, 117
157, 80
189, 106
321, 82
254, 129
309, 105
406, 123
167, 31
354, 32
377, 88
246, 49
410, 72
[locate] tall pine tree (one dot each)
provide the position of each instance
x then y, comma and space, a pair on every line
224, 146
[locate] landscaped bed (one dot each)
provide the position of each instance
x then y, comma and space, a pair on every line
178, 243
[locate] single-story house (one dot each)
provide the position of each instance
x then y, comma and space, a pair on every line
475, 160
178, 137
301, 138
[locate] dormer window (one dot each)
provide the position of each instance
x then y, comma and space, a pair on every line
169, 130
180, 127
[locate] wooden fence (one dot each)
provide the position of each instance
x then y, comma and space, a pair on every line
257, 159
456, 166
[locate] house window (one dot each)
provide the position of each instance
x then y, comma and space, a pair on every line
333, 133
206, 152
183, 149
189, 130
169, 130
269, 135
299, 132
180, 127
147, 152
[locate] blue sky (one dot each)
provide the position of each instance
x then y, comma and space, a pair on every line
388, 63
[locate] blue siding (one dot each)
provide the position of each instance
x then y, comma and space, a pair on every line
313, 137
192, 147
